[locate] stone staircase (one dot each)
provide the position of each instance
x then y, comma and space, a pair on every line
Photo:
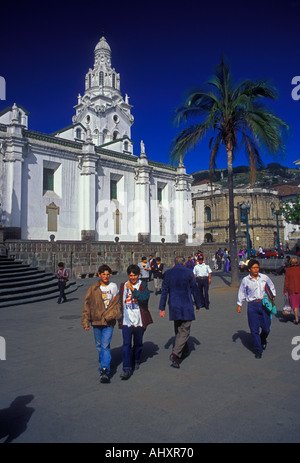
21, 284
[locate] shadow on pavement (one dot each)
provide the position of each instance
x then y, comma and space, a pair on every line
14, 420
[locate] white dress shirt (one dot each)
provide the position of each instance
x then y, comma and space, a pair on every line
252, 289
202, 270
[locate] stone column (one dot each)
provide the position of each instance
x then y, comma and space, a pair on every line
183, 205
87, 196
142, 197
12, 194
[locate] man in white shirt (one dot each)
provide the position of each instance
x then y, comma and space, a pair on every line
252, 290
202, 274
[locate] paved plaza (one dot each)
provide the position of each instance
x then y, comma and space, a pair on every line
50, 389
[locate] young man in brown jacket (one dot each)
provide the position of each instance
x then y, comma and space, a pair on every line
102, 309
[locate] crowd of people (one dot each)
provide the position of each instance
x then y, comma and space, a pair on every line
105, 305
184, 288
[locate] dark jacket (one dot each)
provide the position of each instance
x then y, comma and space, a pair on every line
142, 296
157, 271
179, 285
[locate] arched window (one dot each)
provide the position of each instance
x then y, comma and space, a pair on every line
78, 134
101, 78
207, 214
114, 81
208, 238
106, 136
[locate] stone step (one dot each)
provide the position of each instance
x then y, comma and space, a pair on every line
38, 291
20, 283
25, 289
27, 273
10, 261
36, 297
29, 281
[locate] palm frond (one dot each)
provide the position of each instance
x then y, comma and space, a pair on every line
215, 146
253, 155
228, 110
186, 140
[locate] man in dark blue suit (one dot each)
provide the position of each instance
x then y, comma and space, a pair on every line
179, 285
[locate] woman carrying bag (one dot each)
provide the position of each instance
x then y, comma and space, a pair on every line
292, 286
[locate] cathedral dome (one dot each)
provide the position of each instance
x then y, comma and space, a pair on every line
102, 45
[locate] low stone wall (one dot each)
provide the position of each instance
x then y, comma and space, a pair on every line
83, 258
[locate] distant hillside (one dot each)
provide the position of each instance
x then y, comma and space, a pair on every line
273, 174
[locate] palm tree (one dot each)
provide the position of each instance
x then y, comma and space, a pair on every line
236, 117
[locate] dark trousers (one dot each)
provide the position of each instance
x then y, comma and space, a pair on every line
203, 288
132, 354
258, 319
61, 287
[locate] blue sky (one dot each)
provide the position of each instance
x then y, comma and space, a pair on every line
160, 48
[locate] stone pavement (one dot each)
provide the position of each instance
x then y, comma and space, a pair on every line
50, 389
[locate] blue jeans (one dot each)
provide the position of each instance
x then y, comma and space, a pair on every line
61, 287
258, 318
103, 335
131, 355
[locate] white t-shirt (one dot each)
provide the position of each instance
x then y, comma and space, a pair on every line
131, 308
108, 293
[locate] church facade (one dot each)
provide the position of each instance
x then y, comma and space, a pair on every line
84, 182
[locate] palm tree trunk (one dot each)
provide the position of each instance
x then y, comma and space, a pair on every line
235, 280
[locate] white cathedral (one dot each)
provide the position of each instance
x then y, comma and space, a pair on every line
84, 181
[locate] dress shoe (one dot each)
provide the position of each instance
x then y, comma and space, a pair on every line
126, 374
258, 355
104, 376
175, 361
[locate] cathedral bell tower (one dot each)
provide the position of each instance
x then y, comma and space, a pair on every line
102, 109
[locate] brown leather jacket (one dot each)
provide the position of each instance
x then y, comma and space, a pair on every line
94, 310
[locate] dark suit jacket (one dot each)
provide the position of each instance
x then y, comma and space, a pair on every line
179, 284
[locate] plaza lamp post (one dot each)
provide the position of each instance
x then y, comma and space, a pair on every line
245, 210
278, 238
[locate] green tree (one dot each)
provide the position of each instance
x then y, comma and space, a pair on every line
291, 210
236, 117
